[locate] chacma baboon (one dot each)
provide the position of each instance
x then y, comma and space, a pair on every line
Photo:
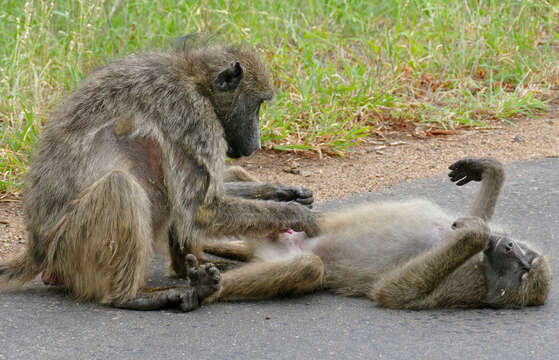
137, 155
403, 255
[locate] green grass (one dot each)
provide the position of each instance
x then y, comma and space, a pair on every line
343, 68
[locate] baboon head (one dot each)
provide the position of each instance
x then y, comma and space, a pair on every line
240, 89
516, 275
237, 83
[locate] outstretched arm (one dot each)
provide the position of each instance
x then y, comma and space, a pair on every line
491, 174
412, 285
264, 191
237, 216
238, 182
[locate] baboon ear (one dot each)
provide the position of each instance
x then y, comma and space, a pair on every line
230, 78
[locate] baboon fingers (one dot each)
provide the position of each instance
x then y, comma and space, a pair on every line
302, 196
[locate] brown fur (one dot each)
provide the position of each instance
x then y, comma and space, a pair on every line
403, 255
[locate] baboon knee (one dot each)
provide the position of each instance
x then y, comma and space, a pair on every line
310, 273
314, 268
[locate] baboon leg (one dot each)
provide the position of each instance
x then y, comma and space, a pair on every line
294, 275
155, 299
204, 281
102, 246
237, 250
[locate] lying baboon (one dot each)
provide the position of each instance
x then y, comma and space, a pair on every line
137, 155
403, 255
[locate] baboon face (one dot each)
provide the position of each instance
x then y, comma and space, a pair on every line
238, 100
512, 269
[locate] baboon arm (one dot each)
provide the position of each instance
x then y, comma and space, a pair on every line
299, 274
492, 179
231, 216
251, 190
415, 285
491, 174
264, 191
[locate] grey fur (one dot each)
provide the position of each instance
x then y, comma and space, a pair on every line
137, 152
403, 255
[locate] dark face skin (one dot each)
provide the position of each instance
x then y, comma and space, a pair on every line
241, 120
507, 264
242, 127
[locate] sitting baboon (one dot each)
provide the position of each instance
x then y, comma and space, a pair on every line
403, 255
137, 155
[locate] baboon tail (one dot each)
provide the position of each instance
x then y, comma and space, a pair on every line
18, 270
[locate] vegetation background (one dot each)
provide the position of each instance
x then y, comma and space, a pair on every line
344, 69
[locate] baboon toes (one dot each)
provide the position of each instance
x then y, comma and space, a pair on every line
188, 300
205, 279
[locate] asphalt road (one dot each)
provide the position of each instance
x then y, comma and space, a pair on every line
43, 323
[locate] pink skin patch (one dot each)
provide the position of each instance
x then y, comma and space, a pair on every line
292, 240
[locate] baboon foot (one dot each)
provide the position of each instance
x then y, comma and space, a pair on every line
204, 279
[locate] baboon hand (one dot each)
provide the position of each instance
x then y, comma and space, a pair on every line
306, 220
473, 230
302, 196
471, 169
